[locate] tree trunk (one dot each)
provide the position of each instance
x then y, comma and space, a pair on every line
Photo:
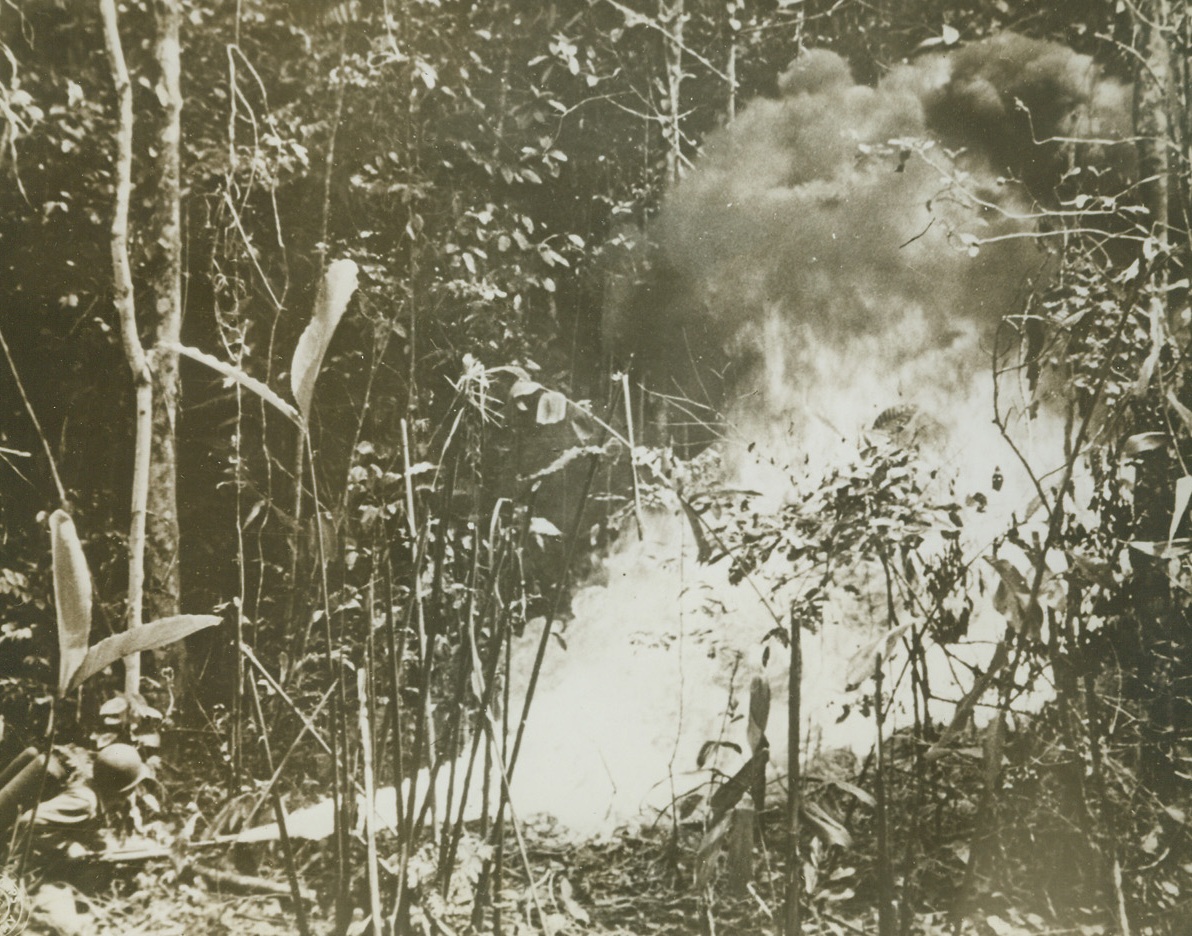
673, 18
163, 580
124, 300
1152, 118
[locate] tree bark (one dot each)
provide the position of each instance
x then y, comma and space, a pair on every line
673, 18
134, 351
163, 578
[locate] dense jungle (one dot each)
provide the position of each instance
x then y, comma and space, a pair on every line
595, 466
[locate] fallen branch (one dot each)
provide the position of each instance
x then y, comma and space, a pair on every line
250, 883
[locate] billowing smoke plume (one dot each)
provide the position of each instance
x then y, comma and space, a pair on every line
835, 252
840, 229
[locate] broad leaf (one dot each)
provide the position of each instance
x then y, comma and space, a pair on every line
828, 826
854, 790
1183, 492
522, 388
72, 596
149, 636
552, 408
336, 290
1144, 442
740, 783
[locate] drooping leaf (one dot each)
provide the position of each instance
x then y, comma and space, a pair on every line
552, 408
151, 636
72, 596
238, 376
706, 749
964, 708
523, 388
1144, 442
759, 711
570, 904
1173, 550
740, 783
336, 290
1183, 492
703, 550
1090, 571
865, 662
1013, 599
855, 791
540, 526
828, 826
1182, 411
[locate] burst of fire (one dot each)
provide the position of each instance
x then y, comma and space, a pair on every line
838, 253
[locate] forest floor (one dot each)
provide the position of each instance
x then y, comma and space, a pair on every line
629, 884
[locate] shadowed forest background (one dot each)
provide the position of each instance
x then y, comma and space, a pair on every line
648, 466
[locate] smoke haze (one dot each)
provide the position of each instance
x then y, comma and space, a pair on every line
835, 252
842, 222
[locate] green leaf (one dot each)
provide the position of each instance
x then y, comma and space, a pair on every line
336, 290
150, 636
72, 596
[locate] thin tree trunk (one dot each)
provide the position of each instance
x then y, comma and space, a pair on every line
163, 579
134, 351
1152, 120
673, 19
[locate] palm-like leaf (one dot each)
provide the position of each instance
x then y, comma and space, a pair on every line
335, 292
72, 595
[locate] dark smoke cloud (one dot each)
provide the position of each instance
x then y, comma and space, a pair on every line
860, 227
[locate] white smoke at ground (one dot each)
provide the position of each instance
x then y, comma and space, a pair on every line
829, 261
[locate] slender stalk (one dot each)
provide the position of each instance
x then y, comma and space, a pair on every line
885, 870
134, 351
1092, 713
339, 703
51, 735
793, 912
637, 494
370, 804
279, 815
45, 442
238, 688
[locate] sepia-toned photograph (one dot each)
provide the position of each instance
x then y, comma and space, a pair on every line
595, 467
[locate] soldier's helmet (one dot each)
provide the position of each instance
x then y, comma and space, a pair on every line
118, 768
